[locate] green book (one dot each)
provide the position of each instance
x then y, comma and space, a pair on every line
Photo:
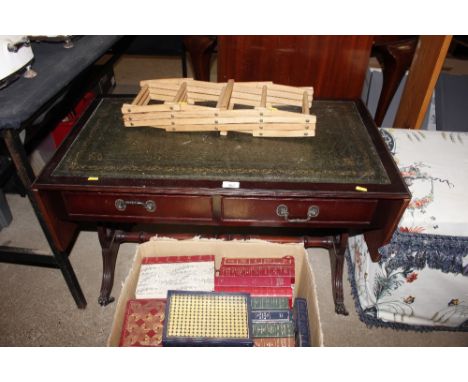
273, 329
269, 303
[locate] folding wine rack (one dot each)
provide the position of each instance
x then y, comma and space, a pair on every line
257, 108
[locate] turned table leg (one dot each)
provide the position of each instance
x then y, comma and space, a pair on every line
110, 244
200, 49
339, 247
395, 57
336, 245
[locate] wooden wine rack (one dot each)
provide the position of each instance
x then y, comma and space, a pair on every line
257, 113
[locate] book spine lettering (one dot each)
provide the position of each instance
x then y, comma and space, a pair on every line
258, 271
275, 342
253, 281
177, 259
269, 303
272, 329
271, 315
286, 260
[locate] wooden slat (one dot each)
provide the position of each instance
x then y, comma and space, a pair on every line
181, 93
252, 100
272, 91
238, 127
200, 111
291, 133
146, 100
263, 99
225, 96
196, 89
305, 104
166, 86
255, 86
128, 109
216, 121
164, 92
141, 95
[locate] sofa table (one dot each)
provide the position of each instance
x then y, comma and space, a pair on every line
319, 189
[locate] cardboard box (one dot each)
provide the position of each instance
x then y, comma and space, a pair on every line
305, 283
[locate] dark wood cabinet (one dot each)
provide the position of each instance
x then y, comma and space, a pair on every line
334, 65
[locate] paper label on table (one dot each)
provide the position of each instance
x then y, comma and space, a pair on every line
227, 184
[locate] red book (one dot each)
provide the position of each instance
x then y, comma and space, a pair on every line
259, 291
275, 342
177, 259
258, 271
253, 281
286, 260
143, 323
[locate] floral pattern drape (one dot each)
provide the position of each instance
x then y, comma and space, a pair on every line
421, 281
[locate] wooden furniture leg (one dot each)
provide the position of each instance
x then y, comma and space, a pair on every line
395, 58
200, 49
59, 258
110, 244
339, 247
336, 246
424, 72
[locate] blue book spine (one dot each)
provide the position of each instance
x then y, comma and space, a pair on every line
301, 321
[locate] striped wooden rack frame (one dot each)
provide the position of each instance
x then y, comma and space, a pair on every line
180, 113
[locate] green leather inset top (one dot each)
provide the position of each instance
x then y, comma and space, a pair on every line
341, 151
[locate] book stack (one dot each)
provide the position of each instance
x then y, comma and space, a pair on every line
145, 315
261, 277
272, 322
270, 282
184, 301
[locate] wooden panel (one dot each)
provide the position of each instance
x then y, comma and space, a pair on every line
63, 233
334, 65
424, 72
86, 205
336, 211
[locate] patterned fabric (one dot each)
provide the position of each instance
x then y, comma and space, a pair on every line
421, 280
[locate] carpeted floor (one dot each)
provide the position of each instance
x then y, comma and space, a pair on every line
36, 308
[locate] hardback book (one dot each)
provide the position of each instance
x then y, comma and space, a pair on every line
258, 270
301, 321
269, 303
176, 259
284, 315
259, 291
253, 281
273, 329
160, 274
207, 319
143, 323
286, 260
275, 342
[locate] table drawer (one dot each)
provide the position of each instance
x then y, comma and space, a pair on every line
139, 207
298, 211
